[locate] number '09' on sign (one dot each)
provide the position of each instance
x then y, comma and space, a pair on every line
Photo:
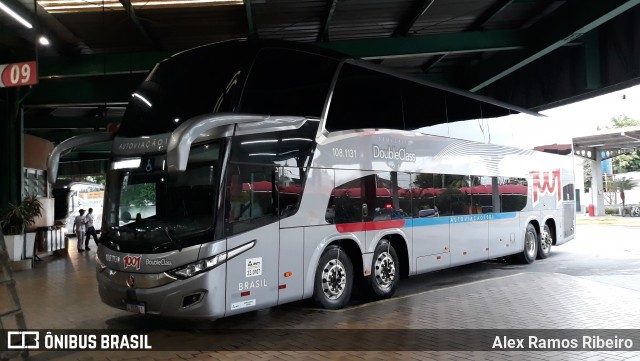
18, 74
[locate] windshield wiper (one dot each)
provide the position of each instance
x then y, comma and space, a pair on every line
175, 243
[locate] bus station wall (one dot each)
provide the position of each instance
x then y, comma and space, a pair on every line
36, 151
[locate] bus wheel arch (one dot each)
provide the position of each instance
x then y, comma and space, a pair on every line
335, 274
398, 242
547, 238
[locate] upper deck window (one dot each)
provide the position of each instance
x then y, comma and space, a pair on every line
365, 98
199, 81
288, 82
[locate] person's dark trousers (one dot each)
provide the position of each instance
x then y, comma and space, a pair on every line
90, 231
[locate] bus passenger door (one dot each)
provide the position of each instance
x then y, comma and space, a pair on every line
251, 221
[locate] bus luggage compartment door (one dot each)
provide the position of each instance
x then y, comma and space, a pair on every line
252, 276
291, 270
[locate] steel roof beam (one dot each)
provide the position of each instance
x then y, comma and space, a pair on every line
152, 40
417, 10
92, 90
488, 14
429, 44
101, 64
251, 29
431, 62
569, 22
82, 122
323, 35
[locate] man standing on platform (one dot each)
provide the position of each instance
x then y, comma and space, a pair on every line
91, 231
78, 229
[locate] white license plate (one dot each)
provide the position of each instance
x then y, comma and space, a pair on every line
136, 307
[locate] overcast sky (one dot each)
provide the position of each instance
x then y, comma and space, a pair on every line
559, 126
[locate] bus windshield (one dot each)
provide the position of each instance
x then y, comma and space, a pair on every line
151, 210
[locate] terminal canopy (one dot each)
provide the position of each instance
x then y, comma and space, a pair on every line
609, 143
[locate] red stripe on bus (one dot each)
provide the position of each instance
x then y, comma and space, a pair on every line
369, 226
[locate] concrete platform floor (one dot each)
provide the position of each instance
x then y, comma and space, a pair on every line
61, 293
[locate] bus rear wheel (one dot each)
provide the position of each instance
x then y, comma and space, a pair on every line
334, 279
546, 240
384, 278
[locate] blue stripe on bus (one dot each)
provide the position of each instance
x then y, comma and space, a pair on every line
432, 221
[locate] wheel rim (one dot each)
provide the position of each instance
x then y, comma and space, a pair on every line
334, 279
545, 242
385, 270
530, 244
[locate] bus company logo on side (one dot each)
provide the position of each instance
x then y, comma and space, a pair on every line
147, 144
131, 261
393, 153
546, 183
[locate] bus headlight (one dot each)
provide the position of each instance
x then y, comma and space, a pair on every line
208, 264
198, 267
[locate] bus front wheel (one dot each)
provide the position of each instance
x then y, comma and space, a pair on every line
385, 275
334, 279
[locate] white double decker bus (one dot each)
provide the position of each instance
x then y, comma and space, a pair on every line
248, 174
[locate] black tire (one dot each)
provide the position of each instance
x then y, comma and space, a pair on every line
334, 279
531, 241
385, 272
546, 241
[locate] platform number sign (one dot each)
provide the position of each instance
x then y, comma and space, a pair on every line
18, 74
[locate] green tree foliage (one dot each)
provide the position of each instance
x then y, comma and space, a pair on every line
625, 162
624, 184
139, 195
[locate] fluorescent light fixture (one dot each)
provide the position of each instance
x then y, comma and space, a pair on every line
14, 15
262, 154
53, 6
126, 163
43, 40
260, 141
136, 95
298, 139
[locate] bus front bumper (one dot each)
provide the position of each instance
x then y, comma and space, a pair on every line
198, 297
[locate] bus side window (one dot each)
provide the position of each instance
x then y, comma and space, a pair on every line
289, 191
251, 200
